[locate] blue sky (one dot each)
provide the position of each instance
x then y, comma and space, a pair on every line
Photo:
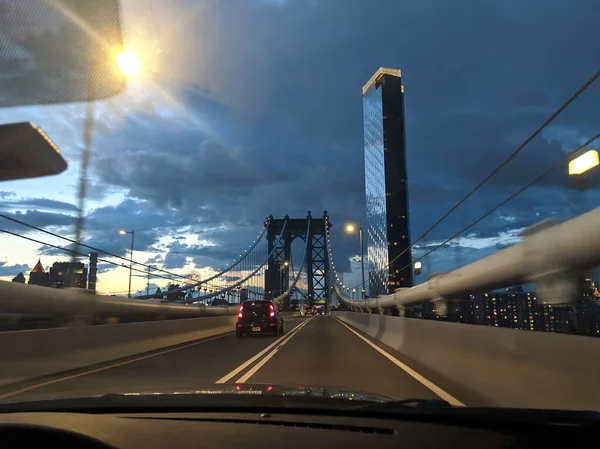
246, 108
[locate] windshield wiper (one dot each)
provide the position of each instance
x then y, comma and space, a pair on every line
420, 404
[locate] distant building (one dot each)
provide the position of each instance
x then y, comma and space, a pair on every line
387, 231
68, 274
19, 278
38, 275
93, 271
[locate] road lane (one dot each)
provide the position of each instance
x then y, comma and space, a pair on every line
199, 365
324, 353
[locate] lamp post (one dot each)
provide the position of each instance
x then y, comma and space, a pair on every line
350, 228
580, 180
123, 232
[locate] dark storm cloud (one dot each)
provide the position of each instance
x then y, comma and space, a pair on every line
158, 259
13, 270
39, 203
36, 218
285, 133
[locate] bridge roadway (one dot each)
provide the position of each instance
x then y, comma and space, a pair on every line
318, 351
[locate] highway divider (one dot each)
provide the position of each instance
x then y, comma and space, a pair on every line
35, 353
503, 367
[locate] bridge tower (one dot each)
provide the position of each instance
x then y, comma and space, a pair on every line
277, 276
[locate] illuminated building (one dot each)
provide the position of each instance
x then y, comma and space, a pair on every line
68, 274
387, 237
38, 275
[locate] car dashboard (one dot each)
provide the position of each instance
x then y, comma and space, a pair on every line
255, 430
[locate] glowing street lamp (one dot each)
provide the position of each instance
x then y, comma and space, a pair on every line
583, 163
350, 228
418, 266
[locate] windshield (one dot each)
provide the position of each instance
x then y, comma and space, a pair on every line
255, 308
406, 193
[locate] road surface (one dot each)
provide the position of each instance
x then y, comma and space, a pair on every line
318, 351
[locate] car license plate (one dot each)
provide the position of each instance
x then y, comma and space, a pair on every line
256, 329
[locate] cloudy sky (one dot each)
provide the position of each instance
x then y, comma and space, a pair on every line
245, 108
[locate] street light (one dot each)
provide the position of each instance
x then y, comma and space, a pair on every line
583, 163
350, 228
418, 266
123, 232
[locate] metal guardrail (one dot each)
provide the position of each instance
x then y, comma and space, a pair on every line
81, 304
550, 255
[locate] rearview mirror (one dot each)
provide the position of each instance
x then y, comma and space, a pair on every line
59, 51
27, 152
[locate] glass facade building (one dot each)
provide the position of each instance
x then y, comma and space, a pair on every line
389, 261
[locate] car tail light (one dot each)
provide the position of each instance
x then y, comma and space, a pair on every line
240, 314
272, 324
271, 310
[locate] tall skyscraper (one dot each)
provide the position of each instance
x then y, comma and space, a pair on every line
388, 232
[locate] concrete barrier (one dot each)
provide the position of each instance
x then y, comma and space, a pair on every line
34, 353
504, 367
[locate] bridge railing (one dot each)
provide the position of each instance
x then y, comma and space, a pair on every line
550, 255
87, 307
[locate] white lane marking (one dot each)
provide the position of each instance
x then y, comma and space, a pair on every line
227, 377
260, 364
411, 372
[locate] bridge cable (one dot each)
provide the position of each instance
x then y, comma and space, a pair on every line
241, 282
243, 257
515, 194
297, 277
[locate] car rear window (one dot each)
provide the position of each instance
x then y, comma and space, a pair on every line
256, 307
